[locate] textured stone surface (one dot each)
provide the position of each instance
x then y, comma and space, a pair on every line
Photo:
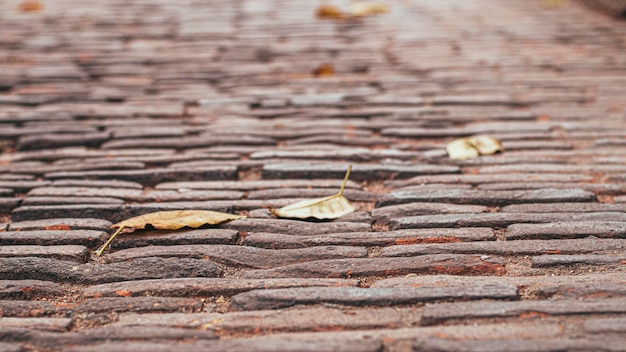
604, 229
29, 289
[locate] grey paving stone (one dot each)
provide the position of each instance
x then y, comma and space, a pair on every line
401, 237
526, 247
245, 256
115, 184
460, 196
137, 305
487, 178
590, 289
600, 325
498, 219
27, 309
423, 208
294, 227
602, 229
351, 194
87, 238
10, 347
43, 324
36, 201
439, 312
29, 289
552, 168
8, 204
58, 191
597, 188
61, 224
360, 172
360, 267
256, 185
180, 287
563, 207
79, 211
76, 253
38, 169
355, 296
32, 268
61, 140
89, 339
569, 259
540, 345
178, 237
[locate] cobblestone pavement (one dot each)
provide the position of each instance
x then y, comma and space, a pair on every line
112, 109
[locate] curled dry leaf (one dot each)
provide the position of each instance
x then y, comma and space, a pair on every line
324, 70
362, 9
331, 207
170, 220
467, 148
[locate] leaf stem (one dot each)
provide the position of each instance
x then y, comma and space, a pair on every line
345, 180
108, 242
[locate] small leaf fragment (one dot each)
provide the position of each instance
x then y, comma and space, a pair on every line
170, 220
329, 12
30, 6
362, 9
331, 207
324, 70
467, 148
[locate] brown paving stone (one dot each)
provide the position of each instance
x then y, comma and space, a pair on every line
487, 178
18, 308
601, 325
252, 257
563, 207
281, 241
43, 324
602, 229
498, 219
424, 208
8, 204
61, 140
61, 224
596, 343
486, 197
598, 188
76, 253
435, 313
178, 237
569, 259
255, 185
35, 201
360, 172
138, 305
204, 286
353, 195
87, 238
526, 247
360, 267
590, 289
293, 227
29, 289
88, 211
552, 168
354, 296
31, 268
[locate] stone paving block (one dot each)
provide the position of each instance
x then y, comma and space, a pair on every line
10, 347
8, 204
541, 345
602, 229
245, 256
85, 238
59, 191
38, 169
29, 289
361, 267
256, 185
424, 208
76, 253
563, 207
355, 296
552, 168
25, 309
600, 325
351, 194
114, 184
61, 140
44, 324
590, 289
182, 287
78, 211
486, 197
360, 172
173, 238
61, 224
597, 188
32, 268
569, 259
439, 312
36, 201
137, 305
294, 227
487, 178
281, 241
498, 219
526, 247
152, 177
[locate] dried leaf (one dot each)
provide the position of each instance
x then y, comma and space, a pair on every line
170, 220
331, 207
30, 6
329, 12
325, 70
467, 148
362, 9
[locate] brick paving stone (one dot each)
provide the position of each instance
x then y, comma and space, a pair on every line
36, 168
255, 185
137, 305
293, 227
386, 213
87, 238
80, 211
360, 267
178, 237
25, 309
8, 204
600, 325
403, 237
115, 184
32, 268
281, 193
526, 247
485, 197
57, 191
541, 345
598, 188
590, 289
602, 229
568, 259
497, 219
487, 178
245, 256
76, 253
29, 289
355, 296
10, 347
439, 312
22, 186
360, 172
43, 324
36, 201
152, 177
61, 224
552, 168
181, 287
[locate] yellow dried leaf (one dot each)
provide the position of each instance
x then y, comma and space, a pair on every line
467, 148
170, 220
329, 12
362, 9
324, 70
30, 6
331, 207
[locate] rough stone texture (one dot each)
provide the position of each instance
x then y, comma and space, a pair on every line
68, 252
85, 238
591, 259
44, 324
541, 345
604, 229
294, 227
29, 289
61, 224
